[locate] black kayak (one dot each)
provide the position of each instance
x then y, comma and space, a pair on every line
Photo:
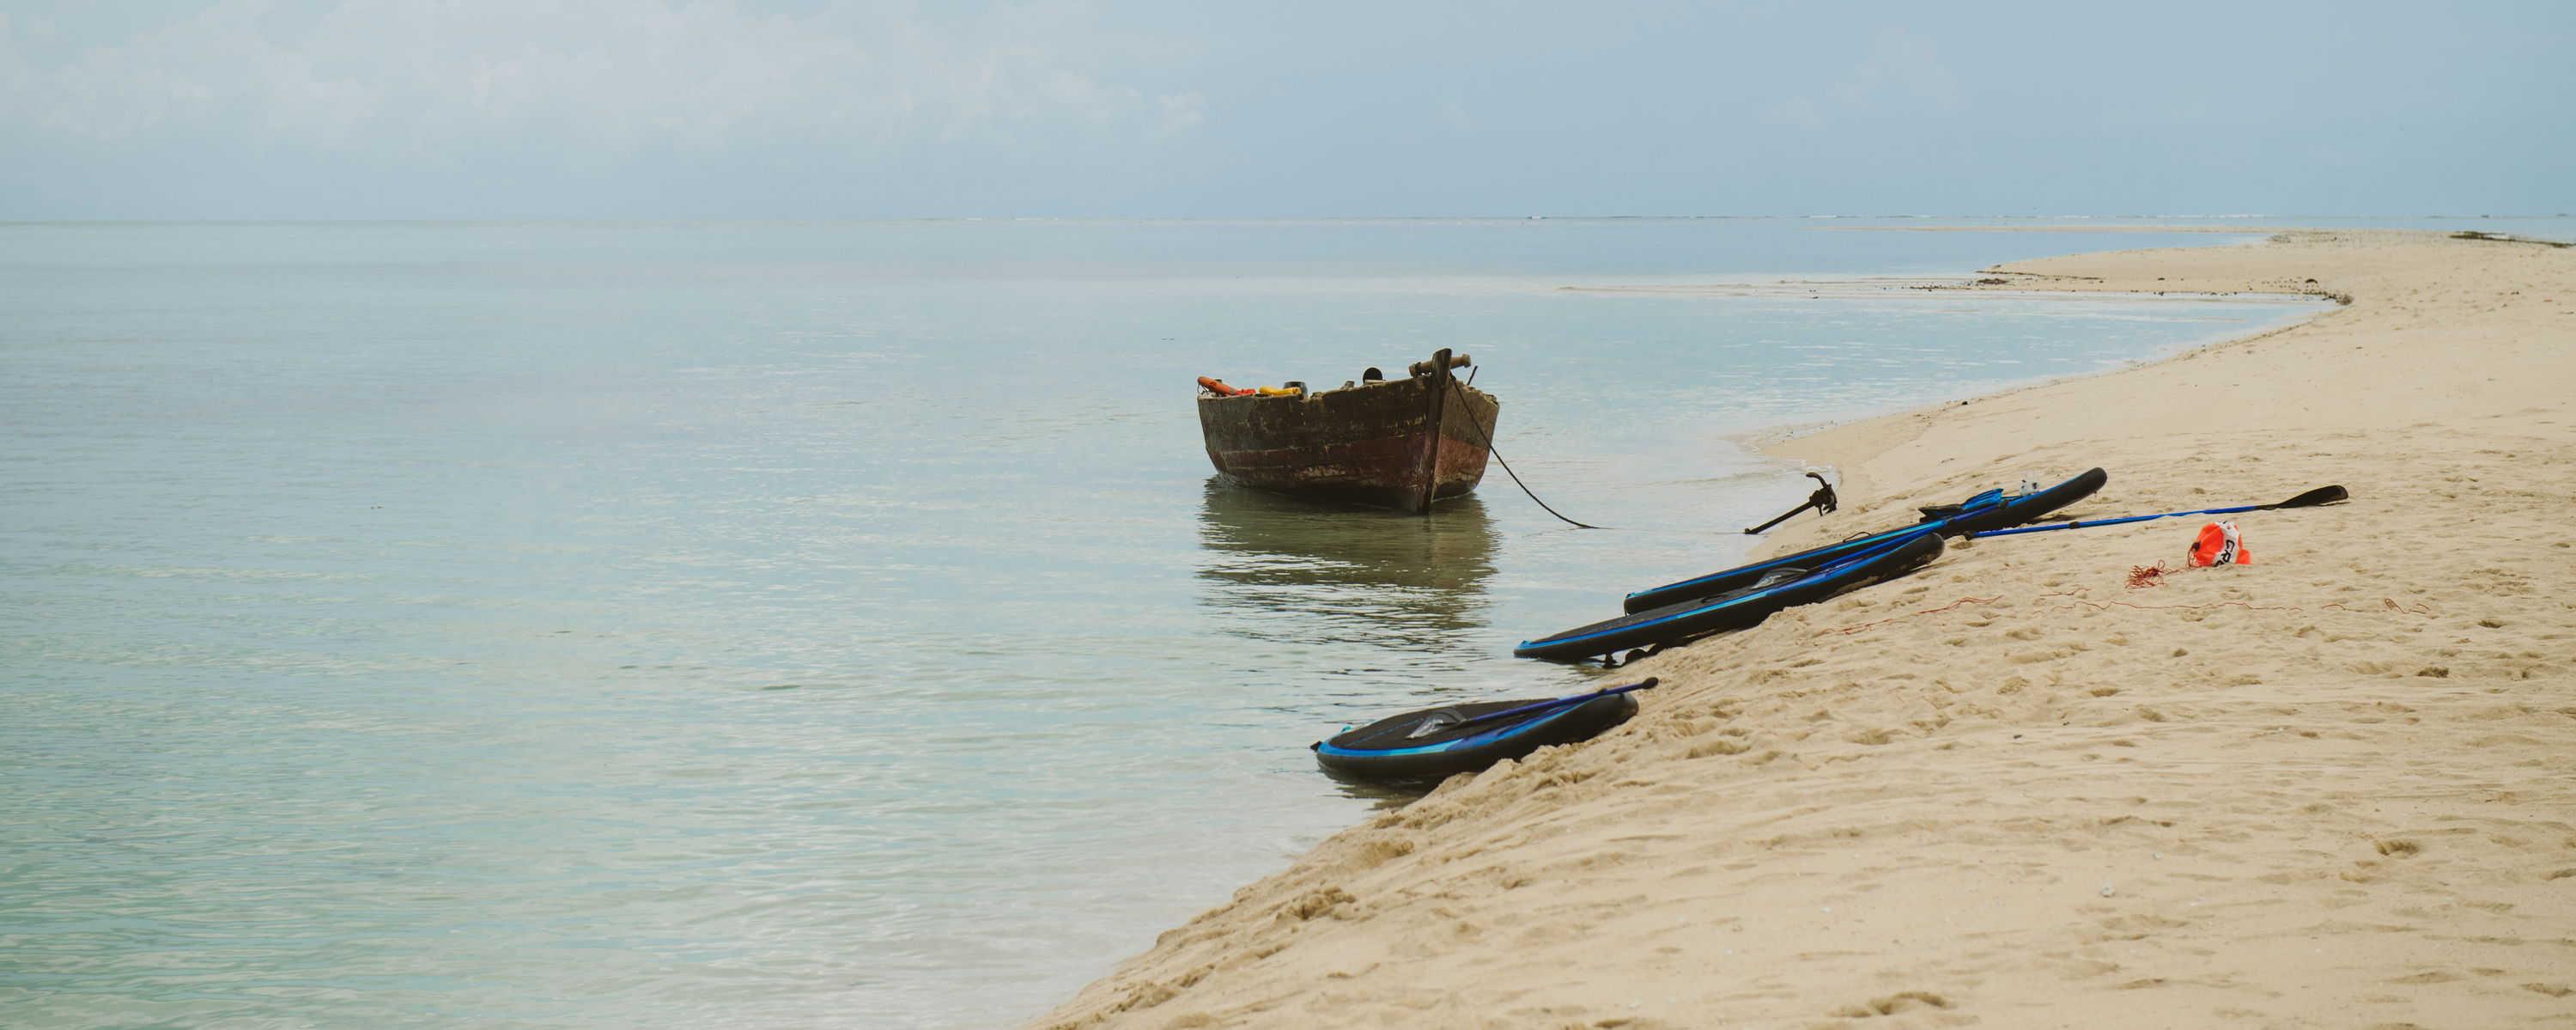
1437, 742
1985, 512
1782, 586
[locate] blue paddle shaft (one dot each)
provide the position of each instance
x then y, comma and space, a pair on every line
2113, 522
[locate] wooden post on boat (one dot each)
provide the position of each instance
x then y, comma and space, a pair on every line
1438, 408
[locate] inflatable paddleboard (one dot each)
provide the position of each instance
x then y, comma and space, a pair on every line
1781, 586
1996, 512
1438, 742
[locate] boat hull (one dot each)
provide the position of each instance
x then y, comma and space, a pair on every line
1399, 444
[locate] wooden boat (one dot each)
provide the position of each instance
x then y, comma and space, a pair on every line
1392, 443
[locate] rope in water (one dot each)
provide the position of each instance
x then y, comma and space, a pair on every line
1507, 466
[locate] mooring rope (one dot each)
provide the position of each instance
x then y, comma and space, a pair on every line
1498, 456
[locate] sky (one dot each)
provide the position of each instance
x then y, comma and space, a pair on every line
328, 109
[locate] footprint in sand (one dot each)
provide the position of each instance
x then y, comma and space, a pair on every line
1893, 1004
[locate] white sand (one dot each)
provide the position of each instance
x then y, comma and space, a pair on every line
2335, 788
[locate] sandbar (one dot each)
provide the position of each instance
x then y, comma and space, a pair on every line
2335, 787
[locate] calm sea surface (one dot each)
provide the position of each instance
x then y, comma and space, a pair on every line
820, 624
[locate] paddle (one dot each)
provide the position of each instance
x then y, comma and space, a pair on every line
2310, 499
1538, 706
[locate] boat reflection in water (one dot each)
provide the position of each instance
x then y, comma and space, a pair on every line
1290, 571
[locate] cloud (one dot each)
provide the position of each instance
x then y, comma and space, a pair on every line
858, 83
1455, 117
1901, 73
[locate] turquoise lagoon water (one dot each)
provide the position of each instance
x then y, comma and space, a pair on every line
818, 624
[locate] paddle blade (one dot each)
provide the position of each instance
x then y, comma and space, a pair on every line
2312, 498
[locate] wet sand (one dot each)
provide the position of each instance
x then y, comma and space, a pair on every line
2334, 788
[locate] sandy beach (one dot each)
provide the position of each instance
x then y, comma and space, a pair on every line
2332, 788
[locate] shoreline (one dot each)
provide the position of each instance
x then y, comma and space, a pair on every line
2328, 788
1777, 441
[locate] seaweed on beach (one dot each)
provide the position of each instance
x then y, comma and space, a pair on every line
2503, 237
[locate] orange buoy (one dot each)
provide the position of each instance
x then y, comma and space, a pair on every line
1211, 383
2219, 543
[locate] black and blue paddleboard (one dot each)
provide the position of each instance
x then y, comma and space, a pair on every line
1437, 742
1782, 586
1983, 513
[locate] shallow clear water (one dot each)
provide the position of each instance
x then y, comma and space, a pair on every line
788, 624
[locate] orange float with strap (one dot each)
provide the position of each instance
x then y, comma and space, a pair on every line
1210, 383
2219, 543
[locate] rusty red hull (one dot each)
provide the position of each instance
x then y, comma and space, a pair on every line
1399, 444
